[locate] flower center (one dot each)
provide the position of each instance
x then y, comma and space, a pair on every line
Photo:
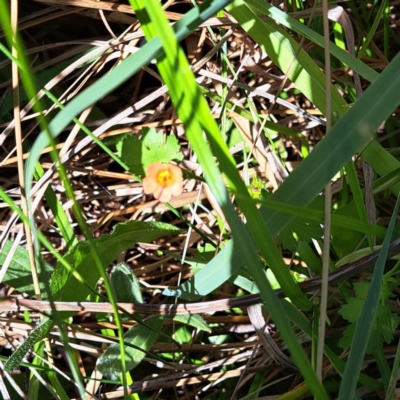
165, 178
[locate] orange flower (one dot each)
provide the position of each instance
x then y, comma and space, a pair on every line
163, 180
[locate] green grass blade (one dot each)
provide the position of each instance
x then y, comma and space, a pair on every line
281, 48
382, 162
366, 319
59, 214
279, 16
219, 270
349, 135
358, 197
111, 81
302, 322
393, 376
195, 114
372, 30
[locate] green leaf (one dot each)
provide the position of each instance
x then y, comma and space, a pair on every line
129, 149
351, 310
65, 287
141, 337
385, 322
19, 273
304, 230
139, 154
38, 334
365, 323
125, 285
286, 20
287, 240
157, 149
194, 320
347, 336
383, 328
165, 152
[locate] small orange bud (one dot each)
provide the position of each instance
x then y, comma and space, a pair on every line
163, 180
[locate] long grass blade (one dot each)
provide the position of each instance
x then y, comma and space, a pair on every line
193, 110
366, 319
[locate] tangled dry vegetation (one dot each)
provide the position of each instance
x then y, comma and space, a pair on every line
229, 361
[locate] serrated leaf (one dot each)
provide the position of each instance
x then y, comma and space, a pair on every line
306, 231
351, 310
173, 147
126, 285
139, 336
386, 322
384, 325
157, 149
347, 336
361, 289
19, 274
139, 154
287, 240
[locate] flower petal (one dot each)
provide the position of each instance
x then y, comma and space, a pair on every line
162, 194
176, 188
150, 184
175, 171
154, 169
